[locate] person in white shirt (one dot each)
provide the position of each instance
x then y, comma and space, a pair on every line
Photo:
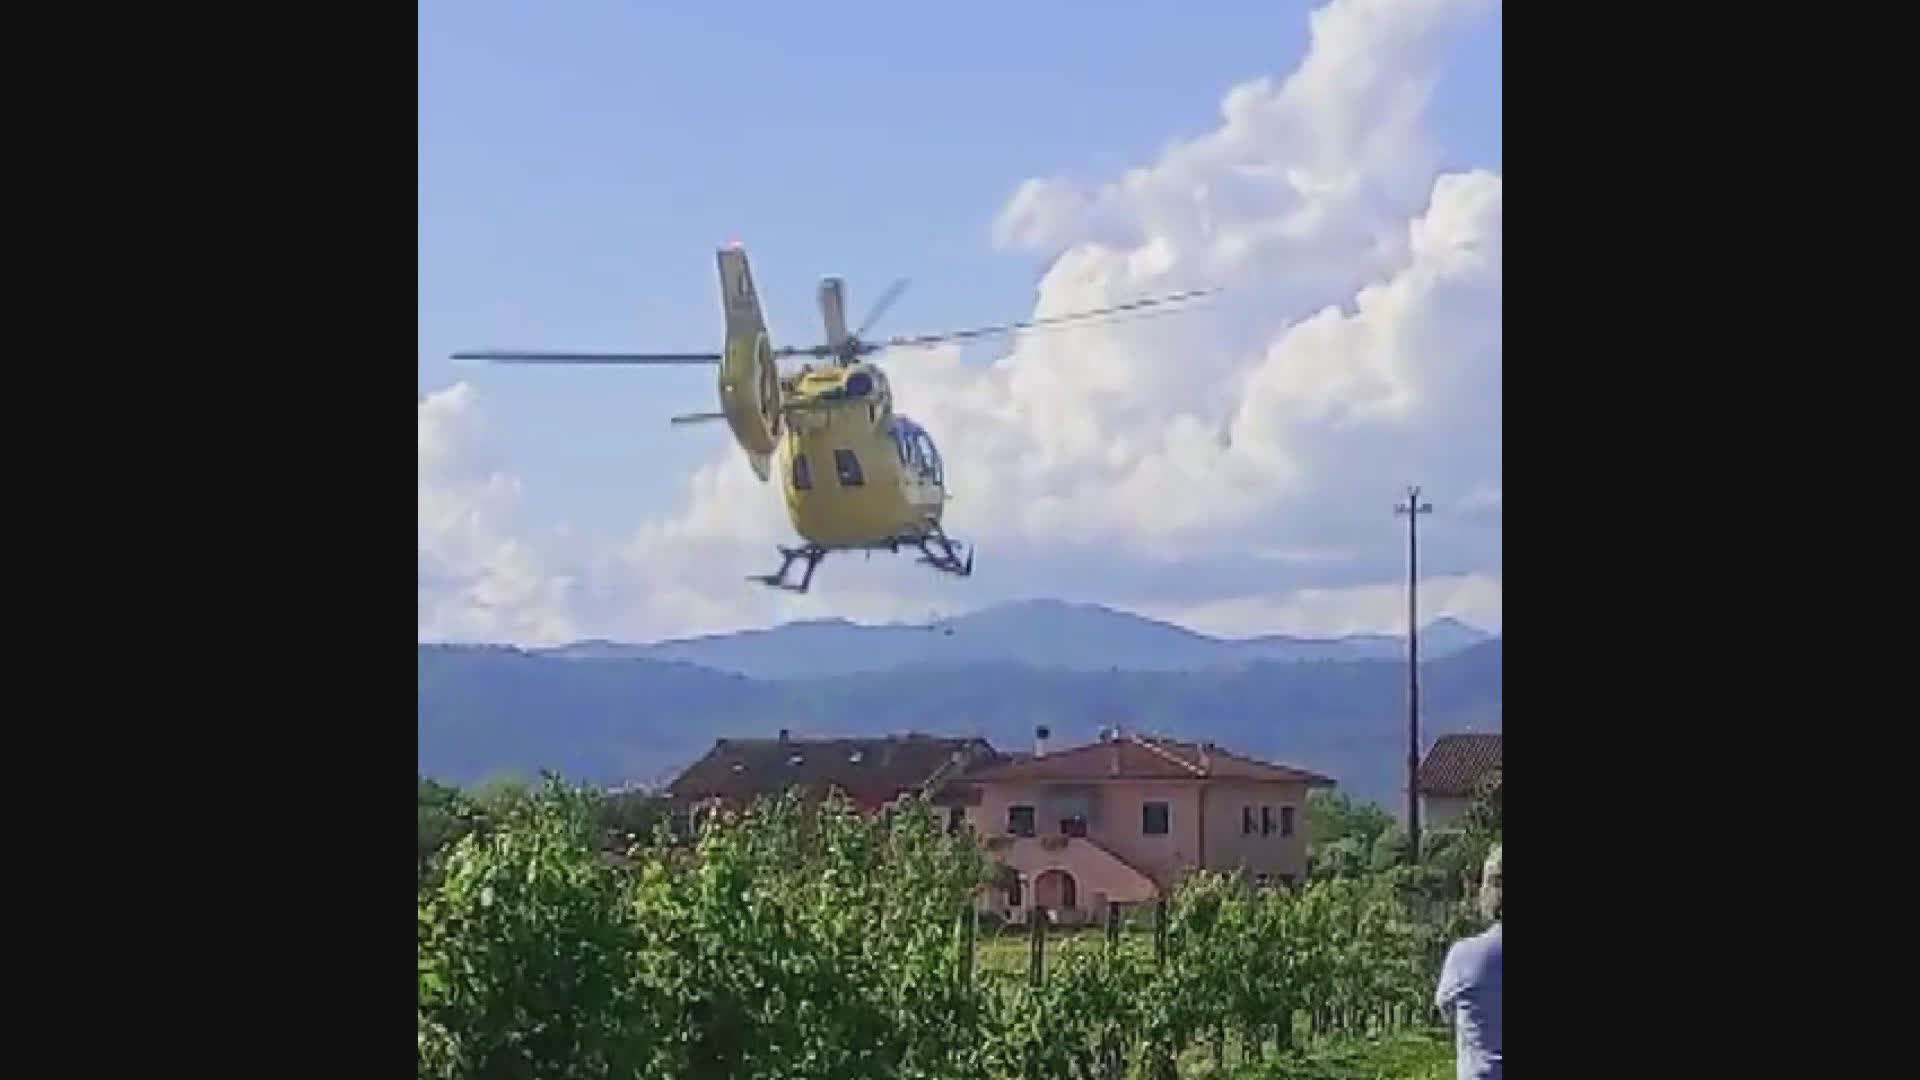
1469, 991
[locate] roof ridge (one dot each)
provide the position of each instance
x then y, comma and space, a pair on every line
1165, 753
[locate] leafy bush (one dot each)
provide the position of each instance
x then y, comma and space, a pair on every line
524, 952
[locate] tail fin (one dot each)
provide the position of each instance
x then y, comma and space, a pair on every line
749, 381
739, 298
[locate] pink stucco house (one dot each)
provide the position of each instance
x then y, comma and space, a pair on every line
1124, 818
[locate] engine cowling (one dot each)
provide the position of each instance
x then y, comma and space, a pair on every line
750, 398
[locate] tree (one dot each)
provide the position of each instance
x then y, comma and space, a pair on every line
1484, 812
1390, 849
498, 796
1346, 857
444, 818
1332, 817
1455, 856
629, 816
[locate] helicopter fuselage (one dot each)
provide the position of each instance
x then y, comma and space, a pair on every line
855, 474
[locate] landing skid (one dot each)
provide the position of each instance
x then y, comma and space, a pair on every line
811, 554
946, 560
936, 550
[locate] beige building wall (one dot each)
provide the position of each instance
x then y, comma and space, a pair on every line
1112, 810
1442, 811
1114, 819
1273, 854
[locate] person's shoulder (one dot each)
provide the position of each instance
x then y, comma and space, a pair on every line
1484, 948
1476, 948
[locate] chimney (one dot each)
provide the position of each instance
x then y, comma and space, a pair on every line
1040, 735
1206, 757
783, 736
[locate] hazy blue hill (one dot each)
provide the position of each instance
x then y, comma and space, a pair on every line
1035, 633
484, 710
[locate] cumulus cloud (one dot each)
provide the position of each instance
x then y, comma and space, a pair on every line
1229, 465
479, 580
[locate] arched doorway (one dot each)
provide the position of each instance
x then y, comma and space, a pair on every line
1056, 890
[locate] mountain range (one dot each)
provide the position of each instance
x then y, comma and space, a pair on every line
1049, 634
607, 713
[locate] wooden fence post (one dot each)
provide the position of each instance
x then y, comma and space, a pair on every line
1163, 1067
969, 919
1110, 1053
1037, 916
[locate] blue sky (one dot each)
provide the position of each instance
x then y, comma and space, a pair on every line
579, 163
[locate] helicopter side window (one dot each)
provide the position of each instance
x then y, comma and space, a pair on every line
802, 473
848, 466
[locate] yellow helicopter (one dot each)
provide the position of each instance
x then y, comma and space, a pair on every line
857, 476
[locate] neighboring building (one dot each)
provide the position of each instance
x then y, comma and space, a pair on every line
1448, 775
1123, 819
869, 772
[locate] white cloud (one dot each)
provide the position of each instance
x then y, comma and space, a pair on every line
478, 579
1355, 347
1470, 598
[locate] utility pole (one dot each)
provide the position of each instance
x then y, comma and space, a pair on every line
1413, 508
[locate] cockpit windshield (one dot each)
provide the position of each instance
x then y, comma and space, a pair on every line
917, 451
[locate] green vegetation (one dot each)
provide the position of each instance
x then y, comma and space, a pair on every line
1410, 1055
1350, 840
1483, 814
816, 943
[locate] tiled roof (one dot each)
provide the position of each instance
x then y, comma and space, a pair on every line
1457, 762
869, 771
1140, 757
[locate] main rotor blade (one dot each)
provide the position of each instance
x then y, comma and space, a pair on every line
881, 305
1034, 324
504, 357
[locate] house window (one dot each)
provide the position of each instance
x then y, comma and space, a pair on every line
1266, 821
1153, 818
1073, 826
802, 473
1286, 821
1020, 820
956, 816
1246, 821
848, 467
1013, 890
